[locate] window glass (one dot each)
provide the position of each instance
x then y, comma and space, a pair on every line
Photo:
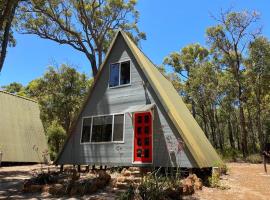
146, 130
86, 130
114, 75
139, 153
146, 153
125, 73
146, 141
118, 127
102, 129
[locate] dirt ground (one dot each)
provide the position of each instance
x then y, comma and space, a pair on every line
244, 181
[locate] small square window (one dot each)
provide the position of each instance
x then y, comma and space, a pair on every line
146, 153
146, 141
119, 74
146, 130
139, 119
139, 153
146, 118
139, 142
139, 130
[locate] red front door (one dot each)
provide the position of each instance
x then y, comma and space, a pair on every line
143, 137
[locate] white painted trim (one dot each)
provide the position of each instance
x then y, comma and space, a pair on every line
107, 142
120, 64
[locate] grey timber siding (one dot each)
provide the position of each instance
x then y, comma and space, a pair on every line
106, 100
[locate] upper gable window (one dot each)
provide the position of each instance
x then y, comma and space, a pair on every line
119, 74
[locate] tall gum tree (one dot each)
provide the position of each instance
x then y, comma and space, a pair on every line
7, 13
86, 25
229, 40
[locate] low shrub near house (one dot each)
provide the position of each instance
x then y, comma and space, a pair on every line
230, 155
254, 158
153, 187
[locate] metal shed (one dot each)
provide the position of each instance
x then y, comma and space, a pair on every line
22, 137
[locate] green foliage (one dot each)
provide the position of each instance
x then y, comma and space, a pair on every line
60, 93
86, 25
230, 155
152, 187
14, 88
214, 180
127, 195
254, 158
225, 85
56, 137
7, 13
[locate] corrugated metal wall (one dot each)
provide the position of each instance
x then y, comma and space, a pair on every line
20, 129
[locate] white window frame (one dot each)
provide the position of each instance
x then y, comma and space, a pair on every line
120, 65
107, 142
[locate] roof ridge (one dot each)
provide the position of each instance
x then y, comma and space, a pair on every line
19, 96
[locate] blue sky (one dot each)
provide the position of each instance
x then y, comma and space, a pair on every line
169, 25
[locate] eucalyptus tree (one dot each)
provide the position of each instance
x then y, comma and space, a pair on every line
7, 13
184, 61
86, 25
258, 79
228, 41
60, 93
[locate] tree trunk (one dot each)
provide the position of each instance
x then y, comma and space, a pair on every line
7, 27
220, 135
93, 62
230, 133
258, 119
193, 108
243, 131
213, 128
250, 125
204, 121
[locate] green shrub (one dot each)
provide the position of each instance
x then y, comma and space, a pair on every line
152, 188
222, 167
230, 155
127, 195
214, 180
56, 137
254, 158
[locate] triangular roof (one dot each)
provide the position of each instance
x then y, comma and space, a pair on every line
199, 146
22, 137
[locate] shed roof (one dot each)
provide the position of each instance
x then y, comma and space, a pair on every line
22, 137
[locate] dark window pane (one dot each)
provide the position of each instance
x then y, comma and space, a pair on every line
146, 141
86, 130
139, 142
139, 130
139, 119
102, 129
146, 153
125, 73
118, 128
114, 75
139, 153
146, 130
146, 118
